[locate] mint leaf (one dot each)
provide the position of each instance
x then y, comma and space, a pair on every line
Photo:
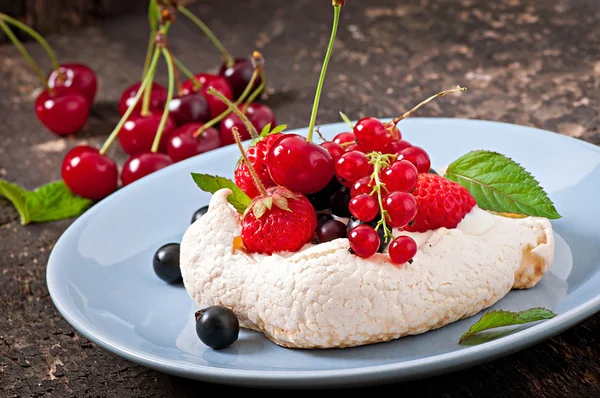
499, 318
500, 184
49, 202
212, 184
347, 120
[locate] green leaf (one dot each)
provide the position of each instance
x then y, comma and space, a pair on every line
278, 129
500, 184
347, 120
212, 184
50, 202
500, 318
265, 130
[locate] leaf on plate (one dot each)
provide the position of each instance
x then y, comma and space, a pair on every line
500, 184
50, 202
500, 318
212, 184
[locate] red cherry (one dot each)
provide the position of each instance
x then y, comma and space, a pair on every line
141, 165
352, 165
189, 108
259, 115
239, 75
401, 208
417, 156
137, 134
158, 98
363, 185
74, 78
182, 143
399, 176
364, 240
62, 113
344, 138
397, 146
87, 173
371, 134
363, 207
335, 150
207, 80
299, 165
402, 249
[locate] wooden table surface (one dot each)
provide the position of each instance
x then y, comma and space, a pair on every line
533, 62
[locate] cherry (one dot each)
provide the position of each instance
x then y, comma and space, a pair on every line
215, 106
352, 165
74, 78
344, 138
322, 218
363, 185
371, 134
89, 174
141, 165
139, 131
402, 249
62, 113
259, 115
189, 108
363, 207
399, 176
335, 150
158, 98
182, 143
299, 165
396, 146
417, 156
401, 208
364, 240
239, 75
331, 230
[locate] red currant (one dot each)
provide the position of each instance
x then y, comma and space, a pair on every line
417, 156
401, 208
364, 240
399, 176
396, 147
371, 134
393, 131
363, 207
352, 165
344, 138
87, 173
402, 249
140, 166
335, 150
182, 143
137, 134
352, 147
362, 185
158, 98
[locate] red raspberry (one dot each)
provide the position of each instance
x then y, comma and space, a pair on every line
257, 154
282, 221
440, 203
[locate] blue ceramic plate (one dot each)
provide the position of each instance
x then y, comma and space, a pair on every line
101, 279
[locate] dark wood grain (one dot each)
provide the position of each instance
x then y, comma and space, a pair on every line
531, 62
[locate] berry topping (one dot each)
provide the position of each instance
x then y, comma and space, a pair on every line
417, 156
331, 230
399, 176
166, 263
335, 150
401, 208
352, 165
344, 138
217, 327
371, 134
363, 207
364, 241
257, 155
362, 185
340, 202
402, 249
396, 147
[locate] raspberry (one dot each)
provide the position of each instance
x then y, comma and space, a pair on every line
282, 221
440, 203
257, 154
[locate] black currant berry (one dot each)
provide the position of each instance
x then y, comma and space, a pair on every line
217, 327
331, 230
199, 213
340, 201
166, 263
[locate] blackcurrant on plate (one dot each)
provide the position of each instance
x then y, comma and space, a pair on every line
101, 279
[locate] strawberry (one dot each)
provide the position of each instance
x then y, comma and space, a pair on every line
440, 203
280, 221
257, 154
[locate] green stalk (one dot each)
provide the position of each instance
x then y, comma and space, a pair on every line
146, 85
152, 20
257, 181
187, 73
379, 161
204, 28
36, 36
337, 6
165, 115
146, 101
255, 93
440, 94
236, 110
17, 43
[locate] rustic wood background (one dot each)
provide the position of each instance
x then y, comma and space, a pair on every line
531, 62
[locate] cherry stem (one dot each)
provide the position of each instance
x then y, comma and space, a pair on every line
187, 73
163, 120
178, 84
440, 94
257, 181
152, 20
160, 35
36, 36
379, 160
146, 84
209, 33
337, 6
255, 93
17, 43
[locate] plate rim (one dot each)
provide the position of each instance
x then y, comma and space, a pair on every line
399, 371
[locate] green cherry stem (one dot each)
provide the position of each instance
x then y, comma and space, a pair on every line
36, 36
153, 17
209, 33
146, 85
255, 93
257, 181
337, 6
160, 35
187, 73
236, 110
163, 120
440, 94
17, 43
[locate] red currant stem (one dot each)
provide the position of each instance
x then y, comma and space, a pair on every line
236, 110
347, 120
257, 182
17, 43
163, 120
187, 73
146, 85
380, 160
256, 92
337, 6
36, 36
209, 33
440, 94
319, 134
